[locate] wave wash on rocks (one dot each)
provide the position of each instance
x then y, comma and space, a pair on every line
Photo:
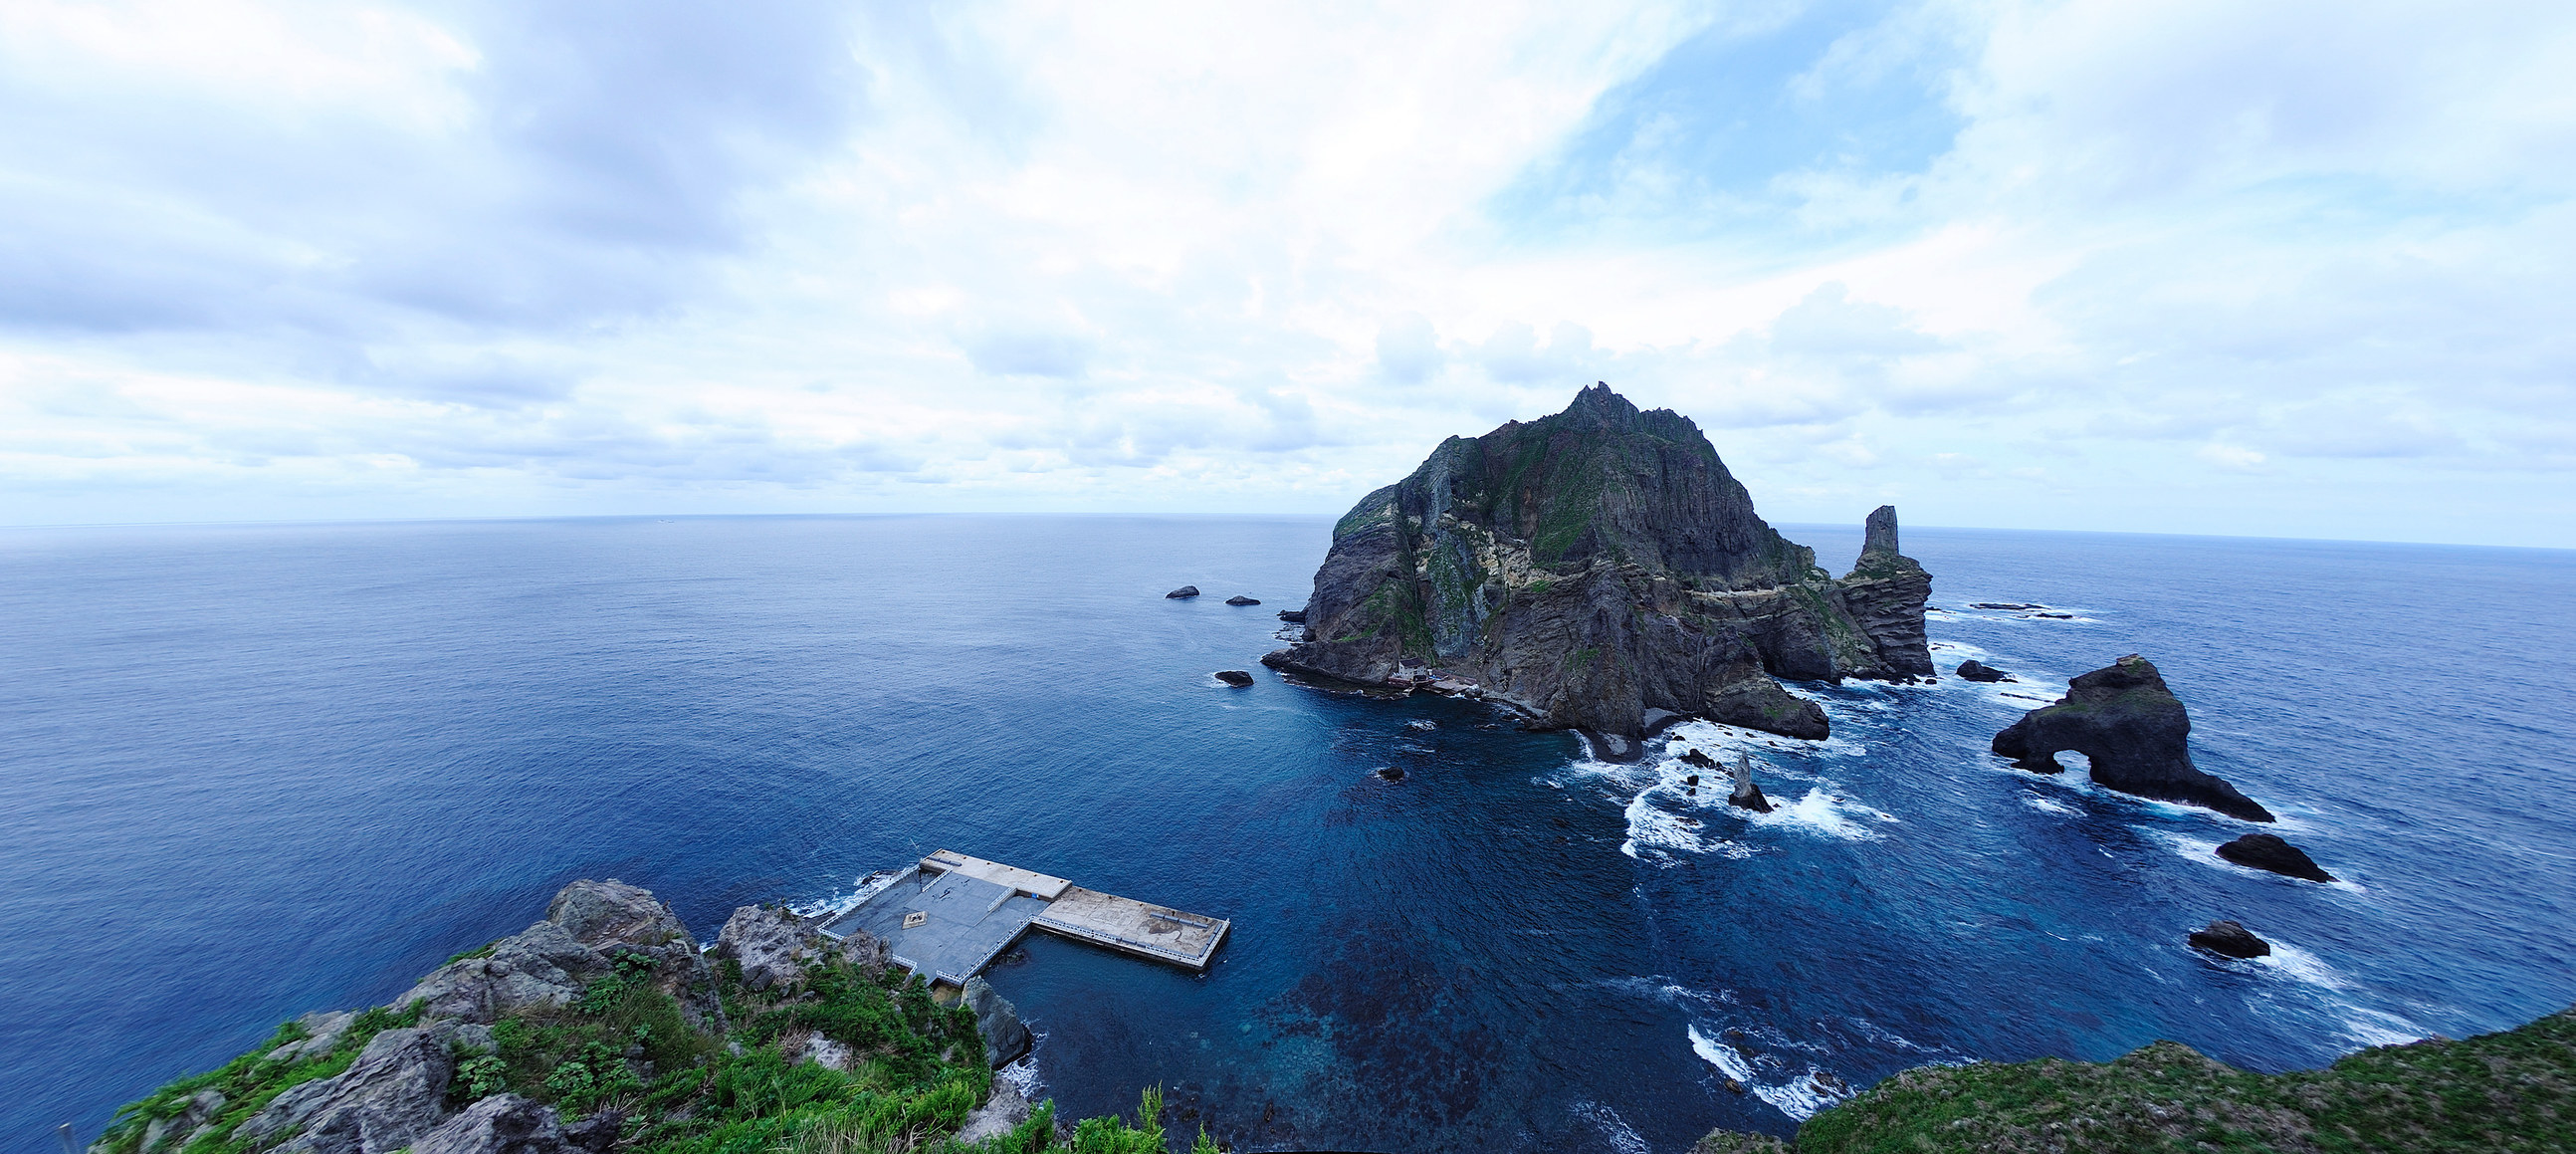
1598, 564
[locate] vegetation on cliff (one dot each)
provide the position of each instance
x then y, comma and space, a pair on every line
2509, 1091
651, 1051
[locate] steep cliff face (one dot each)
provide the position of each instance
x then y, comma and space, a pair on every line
1596, 564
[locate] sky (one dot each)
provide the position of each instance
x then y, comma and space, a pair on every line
2293, 269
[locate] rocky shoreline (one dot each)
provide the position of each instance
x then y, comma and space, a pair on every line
605, 1027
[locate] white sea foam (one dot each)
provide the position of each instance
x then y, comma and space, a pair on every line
1823, 813
1022, 1075
1798, 1095
2049, 805
1622, 1137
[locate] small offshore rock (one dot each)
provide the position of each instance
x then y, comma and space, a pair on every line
2015, 605
1182, 593
1695, 757
1293, 616
1390, 773
2230, 939
1747, 795
1240, 599
1235, 677
1980, 671
2265, 851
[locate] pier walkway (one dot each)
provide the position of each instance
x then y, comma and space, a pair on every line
949, 916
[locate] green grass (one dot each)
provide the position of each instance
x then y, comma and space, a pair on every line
918, 1070
2508, 1091
248, 1083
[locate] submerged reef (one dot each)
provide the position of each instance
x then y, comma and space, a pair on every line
1599, 567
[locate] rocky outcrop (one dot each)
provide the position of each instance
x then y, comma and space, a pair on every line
510, 1124
587, 927
391, 1096
1597, 564
2265, 851
1240, 599
1005, 1036
1980, 671
999, 1115
2230, 939
1183, 593
1746, 794
2135, 733
1293, 616
774, 946
1237, 678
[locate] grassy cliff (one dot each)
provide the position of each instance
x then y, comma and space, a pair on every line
625, 1050
2508, 1091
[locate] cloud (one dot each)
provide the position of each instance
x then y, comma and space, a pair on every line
1408, 349
1031, 354
277, 258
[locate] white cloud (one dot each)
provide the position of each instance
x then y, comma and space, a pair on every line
275, 260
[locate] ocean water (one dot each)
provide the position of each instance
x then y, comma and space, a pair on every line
254, 771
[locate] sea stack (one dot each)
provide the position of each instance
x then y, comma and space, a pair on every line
1592, 566
1747, 795
2134, 731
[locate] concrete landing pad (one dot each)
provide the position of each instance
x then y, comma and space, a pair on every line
964, 911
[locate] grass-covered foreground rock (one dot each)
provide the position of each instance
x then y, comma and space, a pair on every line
2508, 1091
603, 1028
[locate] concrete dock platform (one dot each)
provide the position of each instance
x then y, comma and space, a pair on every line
950, 916
1158, 932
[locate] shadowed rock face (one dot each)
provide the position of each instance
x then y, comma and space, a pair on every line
2134, 731
1597, 564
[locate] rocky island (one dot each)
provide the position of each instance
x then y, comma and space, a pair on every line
2133, 730
1601, 569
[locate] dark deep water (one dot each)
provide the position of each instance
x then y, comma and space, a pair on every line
253, 771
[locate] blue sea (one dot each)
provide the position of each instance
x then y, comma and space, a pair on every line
253, 771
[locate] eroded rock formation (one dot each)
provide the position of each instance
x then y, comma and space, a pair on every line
2134, 731
1598, 564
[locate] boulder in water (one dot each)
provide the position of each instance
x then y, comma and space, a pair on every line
1696, 758
1293, 616
1240, 599
1234, 677
2265, 851
2230, 939
1980, 671
1183, 593
2134, 731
